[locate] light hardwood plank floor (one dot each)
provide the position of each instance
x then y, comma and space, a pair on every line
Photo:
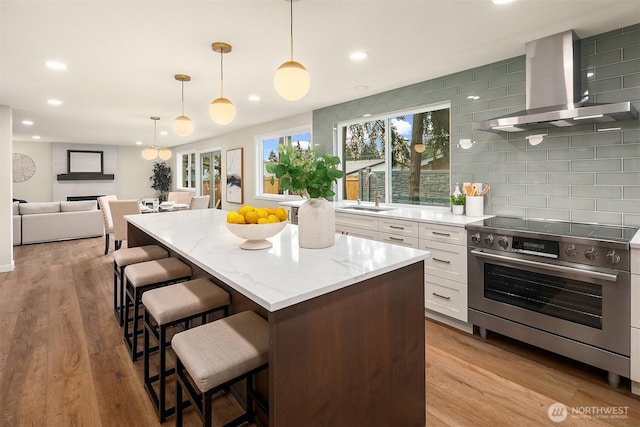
63, 361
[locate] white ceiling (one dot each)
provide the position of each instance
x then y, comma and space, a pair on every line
122, 55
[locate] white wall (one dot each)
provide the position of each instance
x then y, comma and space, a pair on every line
6, 178
38, 187
133, 174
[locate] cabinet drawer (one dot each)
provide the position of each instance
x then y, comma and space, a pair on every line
357, 232
446, 297
411, 242
635, 354
399, 227
446, 260
443, 233
359, 221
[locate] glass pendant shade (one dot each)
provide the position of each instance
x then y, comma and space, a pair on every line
149, 153
183, 126
222, 111
292, 81
164, 153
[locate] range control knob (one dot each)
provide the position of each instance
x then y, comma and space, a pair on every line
613, 258
488, 240
591, 254
475, 238
503, 242
571, 250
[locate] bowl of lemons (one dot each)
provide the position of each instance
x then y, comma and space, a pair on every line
256, 225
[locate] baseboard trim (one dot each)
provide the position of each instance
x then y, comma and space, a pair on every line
7, 267
455, 323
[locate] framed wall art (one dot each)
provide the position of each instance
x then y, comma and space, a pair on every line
234, 176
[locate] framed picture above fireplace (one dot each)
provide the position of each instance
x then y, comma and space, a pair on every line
84, 161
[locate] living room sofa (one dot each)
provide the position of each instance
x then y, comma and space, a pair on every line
51, 221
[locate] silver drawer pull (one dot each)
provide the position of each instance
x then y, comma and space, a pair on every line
441, 260
440, 296
437, 233
396, 227
397, 239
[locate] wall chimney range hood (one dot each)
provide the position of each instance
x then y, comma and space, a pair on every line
553, 91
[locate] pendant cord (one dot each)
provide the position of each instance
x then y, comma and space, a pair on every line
291, 29
221, 75
182, 98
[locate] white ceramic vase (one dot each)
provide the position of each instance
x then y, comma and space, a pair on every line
316, 224
457, 209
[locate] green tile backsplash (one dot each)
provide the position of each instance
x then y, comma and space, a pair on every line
576, 173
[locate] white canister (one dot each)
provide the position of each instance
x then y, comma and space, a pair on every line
475, 206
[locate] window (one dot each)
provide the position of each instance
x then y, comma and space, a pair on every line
187, 165
406, 155
267, 152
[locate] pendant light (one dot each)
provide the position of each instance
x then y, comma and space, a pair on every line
291, 80
152, 151
182, 125
221, 110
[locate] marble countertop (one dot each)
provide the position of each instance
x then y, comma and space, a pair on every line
278, 277
430, 214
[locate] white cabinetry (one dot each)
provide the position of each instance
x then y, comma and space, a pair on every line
357, 225
635, 321
445, 270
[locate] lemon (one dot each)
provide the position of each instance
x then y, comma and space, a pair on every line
239, 219
281, 213
262, 212
251, 217
273, 218
231, 216
263, 221
244, 209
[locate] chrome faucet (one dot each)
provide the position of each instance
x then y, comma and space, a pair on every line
366, 185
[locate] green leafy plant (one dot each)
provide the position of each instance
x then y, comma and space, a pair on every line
309, 174
161, 179
458, 199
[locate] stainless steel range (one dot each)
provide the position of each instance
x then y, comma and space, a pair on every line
561, 286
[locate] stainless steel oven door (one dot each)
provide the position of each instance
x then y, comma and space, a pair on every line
586, 305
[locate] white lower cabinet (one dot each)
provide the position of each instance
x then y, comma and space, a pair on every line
445, 269
635, 321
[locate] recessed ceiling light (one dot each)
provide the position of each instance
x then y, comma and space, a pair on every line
360, 88
138, 142
164, 133
56, 65
502, 1
27, 122
358, 56
54, 102
254, 98
366, 115
35, 137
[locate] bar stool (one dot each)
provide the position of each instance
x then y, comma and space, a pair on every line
170, 306
217, 355
142, 277
124, 257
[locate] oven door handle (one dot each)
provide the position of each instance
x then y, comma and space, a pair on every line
552, 267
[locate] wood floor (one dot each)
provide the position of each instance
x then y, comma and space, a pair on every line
63, 361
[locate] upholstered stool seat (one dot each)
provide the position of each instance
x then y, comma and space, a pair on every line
124, 257
142, 277
167, 307
217, 355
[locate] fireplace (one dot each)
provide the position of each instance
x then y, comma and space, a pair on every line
77, 198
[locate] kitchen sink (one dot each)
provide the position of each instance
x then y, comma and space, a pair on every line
367, 208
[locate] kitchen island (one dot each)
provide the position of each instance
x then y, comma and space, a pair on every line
346, 323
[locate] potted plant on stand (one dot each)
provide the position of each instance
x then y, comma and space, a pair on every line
312, 176
457, 203
161, 179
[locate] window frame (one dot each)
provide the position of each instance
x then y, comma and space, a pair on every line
386, 117
259, 176
179, 156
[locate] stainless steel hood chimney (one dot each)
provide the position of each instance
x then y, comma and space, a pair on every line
553, 86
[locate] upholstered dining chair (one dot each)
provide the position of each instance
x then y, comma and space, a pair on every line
199, 202
181, 197
120, 208
103, 202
